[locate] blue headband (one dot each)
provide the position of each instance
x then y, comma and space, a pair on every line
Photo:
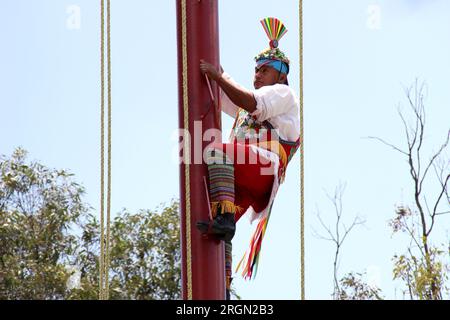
276, 64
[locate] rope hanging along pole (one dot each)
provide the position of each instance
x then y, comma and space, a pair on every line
102, 148
104, 243
108, 198
302, 156
187, 147
102, 108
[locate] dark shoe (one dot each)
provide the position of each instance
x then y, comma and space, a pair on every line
224, 224
205, 229
223, 227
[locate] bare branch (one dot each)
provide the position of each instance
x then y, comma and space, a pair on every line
417, 108
357, 221
332, 238
437, 204
433, 158
444, 167
428, 208
413, 238
406, 129
412, 105
335, 236
320, 237
388, 144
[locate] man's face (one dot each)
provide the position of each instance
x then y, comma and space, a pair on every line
267, 76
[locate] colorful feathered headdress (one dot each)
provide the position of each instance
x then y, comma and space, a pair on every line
275, 30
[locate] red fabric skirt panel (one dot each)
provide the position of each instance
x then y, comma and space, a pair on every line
252, 181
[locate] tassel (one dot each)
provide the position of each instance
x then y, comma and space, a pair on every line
274, 29
224, 206
250, 260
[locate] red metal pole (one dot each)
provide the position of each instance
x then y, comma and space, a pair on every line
203, 262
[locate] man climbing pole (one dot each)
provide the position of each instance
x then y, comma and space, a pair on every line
244, 174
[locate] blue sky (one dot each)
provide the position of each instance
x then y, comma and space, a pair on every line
357, 64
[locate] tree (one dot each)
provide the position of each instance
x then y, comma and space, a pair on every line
351, 286
50, 240
145, 256
39, 208
421, 267
354, 288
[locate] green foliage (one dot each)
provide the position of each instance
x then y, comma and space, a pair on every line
38, 209
423, 271
353, 287
146, 255
425, 281
50, 241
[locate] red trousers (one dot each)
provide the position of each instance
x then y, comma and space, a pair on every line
253, 176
